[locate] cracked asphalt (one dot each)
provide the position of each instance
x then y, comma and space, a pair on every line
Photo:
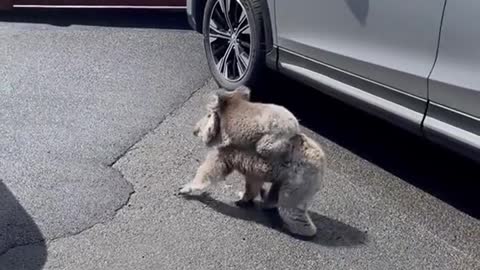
96, 112
73, 100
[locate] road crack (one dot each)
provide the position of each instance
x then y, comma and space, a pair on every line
168, 115
141, 137
112, 166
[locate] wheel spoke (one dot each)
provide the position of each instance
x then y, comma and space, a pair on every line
225, 7
244, 44
222, 63
241, 20
243, 57
241, 65
214, 37
245, 30
216, 33
214, 28
225, 69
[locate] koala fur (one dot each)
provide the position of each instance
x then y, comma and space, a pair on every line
295, 180
266, 128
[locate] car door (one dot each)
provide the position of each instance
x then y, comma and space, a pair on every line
102, 2
389, 42
454, 94
5, 4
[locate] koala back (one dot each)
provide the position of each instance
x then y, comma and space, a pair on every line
275, 119
243, 123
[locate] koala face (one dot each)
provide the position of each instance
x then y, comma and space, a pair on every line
208, 128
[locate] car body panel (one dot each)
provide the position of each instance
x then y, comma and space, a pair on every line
371, 38
400, 108
455, 80
413, 63
93, 3
453, 116
271, 8
191, 10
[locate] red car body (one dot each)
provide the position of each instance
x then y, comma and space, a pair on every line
7, 4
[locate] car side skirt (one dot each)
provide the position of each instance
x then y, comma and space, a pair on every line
456, 130
389, 103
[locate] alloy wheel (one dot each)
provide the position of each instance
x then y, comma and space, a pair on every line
230, 39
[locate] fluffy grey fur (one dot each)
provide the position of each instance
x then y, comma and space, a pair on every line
296, 177
267, 128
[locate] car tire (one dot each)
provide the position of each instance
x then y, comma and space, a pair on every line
234, 42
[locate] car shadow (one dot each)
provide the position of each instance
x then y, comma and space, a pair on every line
125, 18
22, 245
331, 232
430, 167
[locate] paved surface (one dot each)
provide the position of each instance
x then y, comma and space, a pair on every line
74, 99
391, 201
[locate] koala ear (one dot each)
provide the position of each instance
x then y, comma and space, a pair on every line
244, 92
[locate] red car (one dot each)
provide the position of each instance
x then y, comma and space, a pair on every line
7, 4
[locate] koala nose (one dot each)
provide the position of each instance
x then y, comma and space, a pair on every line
195, 132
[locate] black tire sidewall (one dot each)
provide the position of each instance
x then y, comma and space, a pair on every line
257, 55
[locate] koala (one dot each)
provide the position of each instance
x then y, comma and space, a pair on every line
295, 179
266, 128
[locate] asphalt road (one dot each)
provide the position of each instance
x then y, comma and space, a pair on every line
74, 98
96, 112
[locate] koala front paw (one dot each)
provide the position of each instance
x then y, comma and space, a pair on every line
187, 189
192, 187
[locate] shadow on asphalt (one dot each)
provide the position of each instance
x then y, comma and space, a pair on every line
125, 18
331, 232
432, 168
17, 228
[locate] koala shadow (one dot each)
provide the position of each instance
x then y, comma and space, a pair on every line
331, 232
22, 245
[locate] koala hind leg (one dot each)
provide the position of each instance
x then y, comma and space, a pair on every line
253, 186
270, 199
213, 170
298, 221
295, 198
